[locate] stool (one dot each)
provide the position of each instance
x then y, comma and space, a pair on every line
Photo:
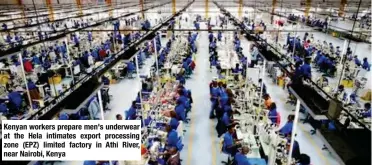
229, 160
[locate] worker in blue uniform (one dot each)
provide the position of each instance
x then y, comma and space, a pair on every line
237, 69
180, 110
90, 162
172, 137
196, 25
214, 92
273, 115
181, 78
228, 120
15, 99
230, 145
357, 62
5, 27
366, 65
367, 110
173, 121
287, 128
219, 36
306, 69
210, 36
241, 158
63, 116
131, 113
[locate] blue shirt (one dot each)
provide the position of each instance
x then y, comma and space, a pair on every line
306, 70
273, 115
173, 123
214, 92
287, 129
241, 159
131, 113
172, 138
90, 162
367, 113
226, 119
180, 111
228, 141
15, 98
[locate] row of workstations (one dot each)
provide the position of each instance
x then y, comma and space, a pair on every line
363, 36
254, 127
50, 71
15, 37
350, 144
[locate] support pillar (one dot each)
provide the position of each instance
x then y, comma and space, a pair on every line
240, 10
174, 7
109, 4
20, 4
307, 8
142, 9
79, 5
273, 11
50, 9
206, 8
341, 11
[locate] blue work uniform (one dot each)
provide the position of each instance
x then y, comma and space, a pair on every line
219, 36
227, 141
366, 65
15, 98
306, 70
287, 128
241, 159
90, 162
174, 123
172, 138
131, 114
273, 115
367, 113
181, 79
223, 97
226, 119
181, 112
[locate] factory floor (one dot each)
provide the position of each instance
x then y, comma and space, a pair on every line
202, 147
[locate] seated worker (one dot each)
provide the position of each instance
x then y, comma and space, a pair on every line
131, 113
210, 36
119, 117
15, 100
230, 146
273, 114
237, 69
367, 110
174, 158
181, 78
267, 101
172, 137
173, 122
287, 128
241, 158
180, 110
